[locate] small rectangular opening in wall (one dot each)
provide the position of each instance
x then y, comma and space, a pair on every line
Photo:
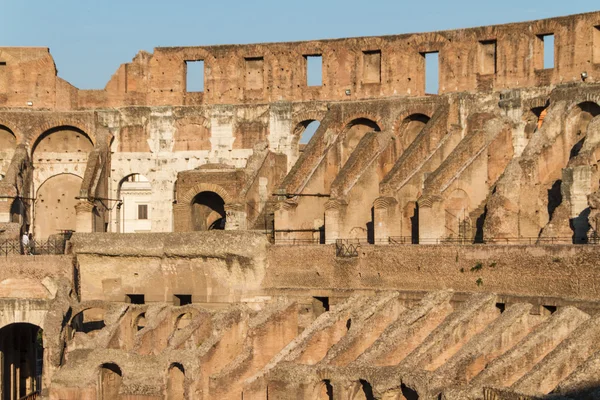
546, 58
488, 57
135, 299
314, 70
501, 307
254, 73
596, 44
182, 299
432, 72
194, 76
372, 66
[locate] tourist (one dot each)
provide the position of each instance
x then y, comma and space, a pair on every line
25, 243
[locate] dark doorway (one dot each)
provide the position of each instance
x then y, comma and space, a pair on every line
208, 212
22, 349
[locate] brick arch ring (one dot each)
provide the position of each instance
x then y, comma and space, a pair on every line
188, 197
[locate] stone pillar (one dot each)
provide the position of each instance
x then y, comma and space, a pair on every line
284, 211
237, 219
386, 223
84, 216
432, 221
334, 220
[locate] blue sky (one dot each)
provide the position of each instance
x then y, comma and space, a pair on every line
89, 39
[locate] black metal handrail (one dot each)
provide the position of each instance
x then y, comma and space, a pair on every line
50, 246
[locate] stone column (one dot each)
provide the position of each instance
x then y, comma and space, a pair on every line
432, 221
334, 220
84, 216
385, 220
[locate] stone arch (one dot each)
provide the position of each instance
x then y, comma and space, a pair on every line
22, 348
50, 130
362, 391
176, 382
208, 212
182, 320
301, 128
8, 139
32, 317
61, 124
139, 322
189, 196
110, 377
407, 129
55, 204
352, 133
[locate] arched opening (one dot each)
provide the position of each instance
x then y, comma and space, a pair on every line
208, 212
140, 322
109, 384
8, 143
89, 321
409, 129
55, 205
21, 352
175, 382
63, 139
304, 131
535, 120
134, 214
353, 133
183, 320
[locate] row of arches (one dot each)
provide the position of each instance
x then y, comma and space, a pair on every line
110, 378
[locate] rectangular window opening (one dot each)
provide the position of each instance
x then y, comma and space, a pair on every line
488, 57
135, 299
549, 310
372, 66
432, 72
254, 73
194, 78
314, 70
182, 299
596, 45
142, 211
321, 303
546, 58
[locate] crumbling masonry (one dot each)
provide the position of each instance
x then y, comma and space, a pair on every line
420, 246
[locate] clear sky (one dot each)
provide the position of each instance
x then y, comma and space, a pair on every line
89, 39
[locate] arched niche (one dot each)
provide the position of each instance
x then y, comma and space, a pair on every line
55, 205
208, 212
8, 144
176, 382
408, 130
353, 133
109, 381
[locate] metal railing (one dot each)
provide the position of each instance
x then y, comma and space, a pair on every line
51, 246
409, 240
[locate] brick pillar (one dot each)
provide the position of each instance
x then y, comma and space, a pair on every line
84, 217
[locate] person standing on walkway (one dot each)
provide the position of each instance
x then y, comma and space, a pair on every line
25, 243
